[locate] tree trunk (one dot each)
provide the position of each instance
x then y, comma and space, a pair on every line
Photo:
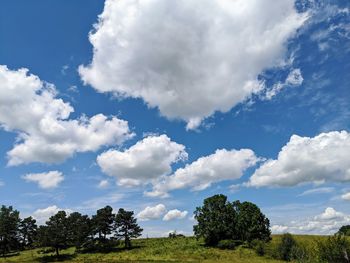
57, 252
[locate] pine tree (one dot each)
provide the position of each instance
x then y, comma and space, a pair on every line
56, 234
102, 222
28, 231
126, 226
9, 223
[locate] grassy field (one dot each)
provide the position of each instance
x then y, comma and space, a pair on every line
161, 250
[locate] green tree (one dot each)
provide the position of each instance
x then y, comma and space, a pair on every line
126, 226
103, 222
79, 229
56, 232
286, 246
219, 219
9, 223
344, 230
216, 220
28, 231
251, 222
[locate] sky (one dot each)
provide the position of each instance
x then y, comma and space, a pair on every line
154, 105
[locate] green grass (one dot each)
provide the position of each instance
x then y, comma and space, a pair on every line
161, 250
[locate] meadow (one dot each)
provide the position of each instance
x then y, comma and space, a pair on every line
182, 249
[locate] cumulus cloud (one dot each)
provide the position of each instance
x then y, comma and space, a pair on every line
323, 158
175, 214
143, 162
45, 180
152, 212
188, 58
29, 107
199, 175
326, 223
42, 215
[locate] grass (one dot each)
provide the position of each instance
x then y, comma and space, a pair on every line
161, 250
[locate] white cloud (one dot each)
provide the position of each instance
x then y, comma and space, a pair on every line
175, 214
320, 190
103, 184
42, 215
45, 180
188, 58
29, 107
346, 196
293, 79
147, 160
152, 212
219, 166
326, 223
323, 158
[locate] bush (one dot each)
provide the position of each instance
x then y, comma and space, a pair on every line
227, 244
259, 247
286, 247
99, 245
335, 249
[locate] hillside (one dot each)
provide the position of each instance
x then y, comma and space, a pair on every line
186, 249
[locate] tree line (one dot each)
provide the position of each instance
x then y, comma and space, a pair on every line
219, 223
100, 232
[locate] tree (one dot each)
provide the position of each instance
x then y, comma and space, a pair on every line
344, 230
216, 220
126, 226
9, 222
79, 229
28, 231
55, 234
252, 223
219, 220
286, 246
102, 222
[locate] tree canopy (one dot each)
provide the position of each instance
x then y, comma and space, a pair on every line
218, 219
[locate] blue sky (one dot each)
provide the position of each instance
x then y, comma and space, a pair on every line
167, 104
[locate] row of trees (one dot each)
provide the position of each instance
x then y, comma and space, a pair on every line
218, 220
101, 231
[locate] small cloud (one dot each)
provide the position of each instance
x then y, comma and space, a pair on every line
47, 180
73, 89
175, 214
64, 69
321, 190
103, 184
152, 212
234, 188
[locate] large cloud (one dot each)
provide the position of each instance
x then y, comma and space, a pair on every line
189, 58
45, 180
29, 107
219, 166
327, 223
148, 159
303, 159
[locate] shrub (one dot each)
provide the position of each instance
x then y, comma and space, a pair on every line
335, 249
227, 244
286, 247
99, 245
259, 247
